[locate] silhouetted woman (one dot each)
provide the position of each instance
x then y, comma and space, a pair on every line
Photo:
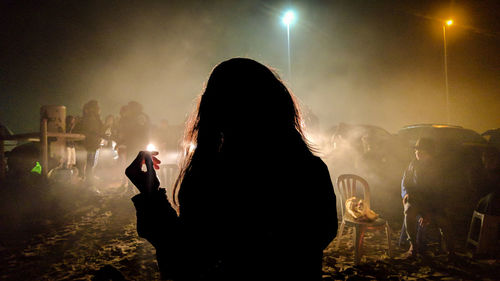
254, 203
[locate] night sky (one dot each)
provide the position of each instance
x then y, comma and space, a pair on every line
372, 62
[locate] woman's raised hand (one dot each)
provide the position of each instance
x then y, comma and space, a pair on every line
146, 181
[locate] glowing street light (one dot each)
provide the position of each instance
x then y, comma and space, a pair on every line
289, 18
447, 23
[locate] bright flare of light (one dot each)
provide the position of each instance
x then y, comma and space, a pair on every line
192, 147
449, 22
289, 17
151, 147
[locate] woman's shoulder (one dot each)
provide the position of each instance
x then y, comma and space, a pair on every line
314, 164
314, 160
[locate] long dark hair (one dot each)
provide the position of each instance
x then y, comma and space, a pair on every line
245, 104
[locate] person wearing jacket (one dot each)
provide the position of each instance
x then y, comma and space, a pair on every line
92, 128
425, 199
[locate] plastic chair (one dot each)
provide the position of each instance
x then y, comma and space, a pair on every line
346, 184
484, 233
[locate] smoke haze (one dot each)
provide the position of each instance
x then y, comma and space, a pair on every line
373, 62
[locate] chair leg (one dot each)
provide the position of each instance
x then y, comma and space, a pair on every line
469, 235
339, 234
359, 233
476, 230
442, 241
388, 233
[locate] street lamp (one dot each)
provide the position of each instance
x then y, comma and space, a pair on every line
288, 19
447, 23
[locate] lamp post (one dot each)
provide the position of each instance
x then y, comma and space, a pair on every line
447, 23
288, 19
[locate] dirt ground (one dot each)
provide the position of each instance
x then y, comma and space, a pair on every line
71, 233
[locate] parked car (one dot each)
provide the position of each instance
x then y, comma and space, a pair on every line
356, 136
372, 153
459, 151
22, 158
445, 136
493, 137
5, 132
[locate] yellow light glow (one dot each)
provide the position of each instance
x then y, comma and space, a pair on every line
449, 22
151, 147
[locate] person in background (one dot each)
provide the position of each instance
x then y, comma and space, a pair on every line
70, 144
424, 196
81, 152
121, 131
110, 135
135, 133
92, 128
247, 209
109, 128
137, 130
107, 168
489, 204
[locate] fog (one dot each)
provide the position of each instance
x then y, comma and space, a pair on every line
365, 62
353, 62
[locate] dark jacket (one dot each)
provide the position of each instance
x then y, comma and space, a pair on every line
422, 177
244, 220
92, 128
134, 132
428, 185
490, 204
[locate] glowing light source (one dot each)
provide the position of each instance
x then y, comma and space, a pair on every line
37, 169
447, 23
289, 17
151, 147
192, 147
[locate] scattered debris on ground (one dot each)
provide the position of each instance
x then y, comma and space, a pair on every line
87, 234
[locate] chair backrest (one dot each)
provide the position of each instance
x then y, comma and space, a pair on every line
347, 183
485, 235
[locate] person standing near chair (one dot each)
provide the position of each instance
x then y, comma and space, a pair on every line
248, 210
424, 198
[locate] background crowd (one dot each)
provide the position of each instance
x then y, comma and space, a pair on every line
112, 141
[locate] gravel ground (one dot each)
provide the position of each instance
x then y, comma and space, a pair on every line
81, 234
